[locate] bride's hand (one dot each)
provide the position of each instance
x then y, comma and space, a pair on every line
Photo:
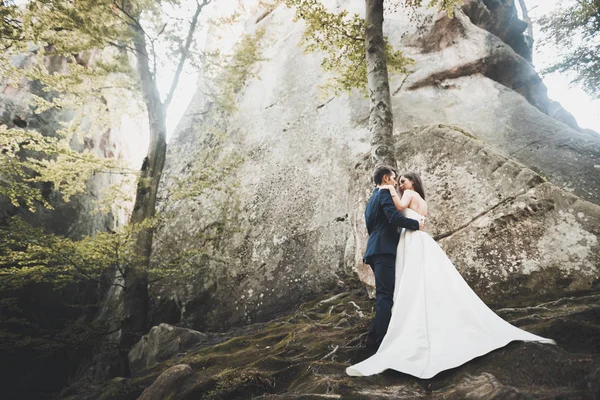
391, 188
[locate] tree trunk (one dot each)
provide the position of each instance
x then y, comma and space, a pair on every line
526, 18
381, 122
135, 296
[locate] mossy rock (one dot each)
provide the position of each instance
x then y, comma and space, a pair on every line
305, 354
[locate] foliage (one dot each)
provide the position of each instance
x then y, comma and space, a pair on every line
442, 5
34, 264
575, 30
9, 17
341, 37
229, 73
74, 52
29, 157
69, 58
30, 256
61, 67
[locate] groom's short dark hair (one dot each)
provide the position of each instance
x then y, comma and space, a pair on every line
381, 171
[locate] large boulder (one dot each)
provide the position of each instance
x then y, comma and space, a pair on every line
162, 342
514, 236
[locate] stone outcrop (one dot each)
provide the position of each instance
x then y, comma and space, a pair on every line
512, 234
500, 19
480, 84
514, 199
161, 343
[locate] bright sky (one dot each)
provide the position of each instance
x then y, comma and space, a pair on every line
188, 80
182, 97
573, 99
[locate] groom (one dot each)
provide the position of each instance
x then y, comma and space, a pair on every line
383, 223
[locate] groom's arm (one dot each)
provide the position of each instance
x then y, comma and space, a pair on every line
393, 216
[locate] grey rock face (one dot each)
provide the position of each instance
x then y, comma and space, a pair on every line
512, 235
162, 342
476, 81
500, 18
297, 226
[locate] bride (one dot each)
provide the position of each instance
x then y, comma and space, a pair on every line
437, 321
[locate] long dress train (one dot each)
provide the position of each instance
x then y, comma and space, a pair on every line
437, 321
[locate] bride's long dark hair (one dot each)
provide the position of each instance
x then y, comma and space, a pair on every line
416, 181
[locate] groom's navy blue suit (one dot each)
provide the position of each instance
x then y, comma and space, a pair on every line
383, 223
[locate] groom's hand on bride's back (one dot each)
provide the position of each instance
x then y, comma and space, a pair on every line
421, 225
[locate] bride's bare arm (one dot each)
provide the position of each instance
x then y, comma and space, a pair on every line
394, 217
400, 203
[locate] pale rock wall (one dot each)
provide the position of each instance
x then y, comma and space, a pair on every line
514, 236
306, 176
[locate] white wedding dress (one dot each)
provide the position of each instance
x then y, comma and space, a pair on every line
437, 321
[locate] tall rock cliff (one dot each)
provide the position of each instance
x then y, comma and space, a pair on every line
125, 138
512, 181
37, 370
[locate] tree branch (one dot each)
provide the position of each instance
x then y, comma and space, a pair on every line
185, 51
526, 18
82, 271
123, 47
136, 25
134, 20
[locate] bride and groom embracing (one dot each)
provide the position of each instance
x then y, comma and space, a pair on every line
427, 318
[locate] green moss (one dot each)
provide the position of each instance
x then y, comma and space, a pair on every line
284, 354
305, 354
126, 389
231, 384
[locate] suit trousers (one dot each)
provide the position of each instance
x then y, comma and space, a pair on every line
384, 268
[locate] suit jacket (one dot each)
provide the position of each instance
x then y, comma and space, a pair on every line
383, 223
